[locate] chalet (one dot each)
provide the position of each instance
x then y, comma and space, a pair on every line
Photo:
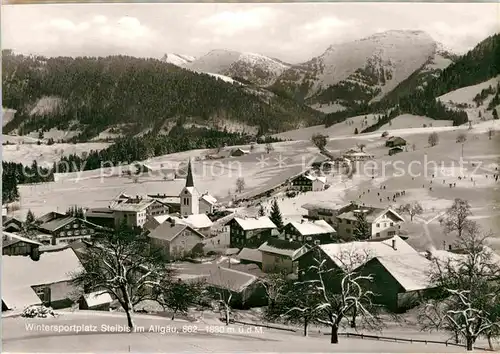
172, 202
312, 232
46, 281
250, 231
324, 210
50, 216
401, 274
239, 152
280, 255
12, 224
176, 240
306, 183
245, 289
395, 150
207, 203
382, 222
394, 141
16, 245
97, 300
250, 256
68, 229
357, 155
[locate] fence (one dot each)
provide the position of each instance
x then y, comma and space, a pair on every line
262, 325
409, 340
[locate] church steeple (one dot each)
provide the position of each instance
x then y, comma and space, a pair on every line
189, 178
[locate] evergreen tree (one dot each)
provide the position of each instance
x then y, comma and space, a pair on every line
30, 217
495, 114
275, 216
356, 131
262, 211
361, 228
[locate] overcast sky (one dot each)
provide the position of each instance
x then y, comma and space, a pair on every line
291, 32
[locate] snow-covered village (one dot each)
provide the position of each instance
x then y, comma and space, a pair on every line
298, 180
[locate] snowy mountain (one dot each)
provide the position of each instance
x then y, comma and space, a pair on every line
363, 70
252, 67
177, 59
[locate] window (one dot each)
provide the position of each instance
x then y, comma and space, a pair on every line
62, 233
67, 227
348, 222
300, 238
75, 226
91, 231
385, 224
378, 225
316, 242
84, 232
308, 238
294, 237
377, 234
391, 233
77, 232
70, 233
392, 224
348, 231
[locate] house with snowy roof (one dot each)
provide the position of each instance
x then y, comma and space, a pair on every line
306, 182
311, 232
135, 210
325, 210
250, 256
245, 289
207, 203
281, 255
382, 222
401, 275
47, 281
68, 229
250, 232
12, 224
17, 245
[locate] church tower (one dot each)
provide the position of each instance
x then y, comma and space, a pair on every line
190, 198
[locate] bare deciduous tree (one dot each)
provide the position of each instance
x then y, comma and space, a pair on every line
470, 292
433, 139
411, 209
319, 140
461, 138
240, 184
456, 217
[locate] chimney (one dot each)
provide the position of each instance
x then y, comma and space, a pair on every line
394, 244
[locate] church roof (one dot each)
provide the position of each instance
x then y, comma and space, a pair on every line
189, 178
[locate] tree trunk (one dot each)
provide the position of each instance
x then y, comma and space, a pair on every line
227, 315
130, 322
489, 342
306, 322
470, 342
173, 316
456, 337
334, 337
129, 309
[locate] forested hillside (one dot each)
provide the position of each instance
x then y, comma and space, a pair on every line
93, 94
479, 64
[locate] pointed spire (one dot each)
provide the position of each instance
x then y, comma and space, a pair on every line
189, 178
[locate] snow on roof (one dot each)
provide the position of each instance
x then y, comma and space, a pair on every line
322, 205
196, 221
130, 205
231, 251
312, 227
14, 238
250, 254
283, 247
321, 179
353, 254
412, 271
372, 214
160, 219
255, 223
20, 273
209, 198
97, 298
230, 279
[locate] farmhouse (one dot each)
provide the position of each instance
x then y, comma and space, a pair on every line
382, 222
250, 256
401, 274
250, 231
395, 150
207, 203
280, 255
306, 183
311, 232
12, 224
239, 152
172, 202
394, 141
175, 239
46, 281
50, 216
245, 289
16, 245
68, 229
198, 222
104, 217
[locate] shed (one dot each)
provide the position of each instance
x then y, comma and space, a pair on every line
395, 150
96, 300
394, 141
250, 255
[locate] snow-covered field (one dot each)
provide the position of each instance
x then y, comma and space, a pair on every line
189, 337
406, 121
7, 115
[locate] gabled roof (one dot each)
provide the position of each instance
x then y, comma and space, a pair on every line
50, 216
250, 254
325, 205
133, 205
283, 247
230, 279
20, 273
255, 223
169, 231
312, 227
209, 198
14, 238
56, 224
351, 255
411, 271
196, 221
371, 213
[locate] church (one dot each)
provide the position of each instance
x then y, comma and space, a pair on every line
192, 201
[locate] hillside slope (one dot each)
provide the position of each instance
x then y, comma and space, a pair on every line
131, 94
363, 70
